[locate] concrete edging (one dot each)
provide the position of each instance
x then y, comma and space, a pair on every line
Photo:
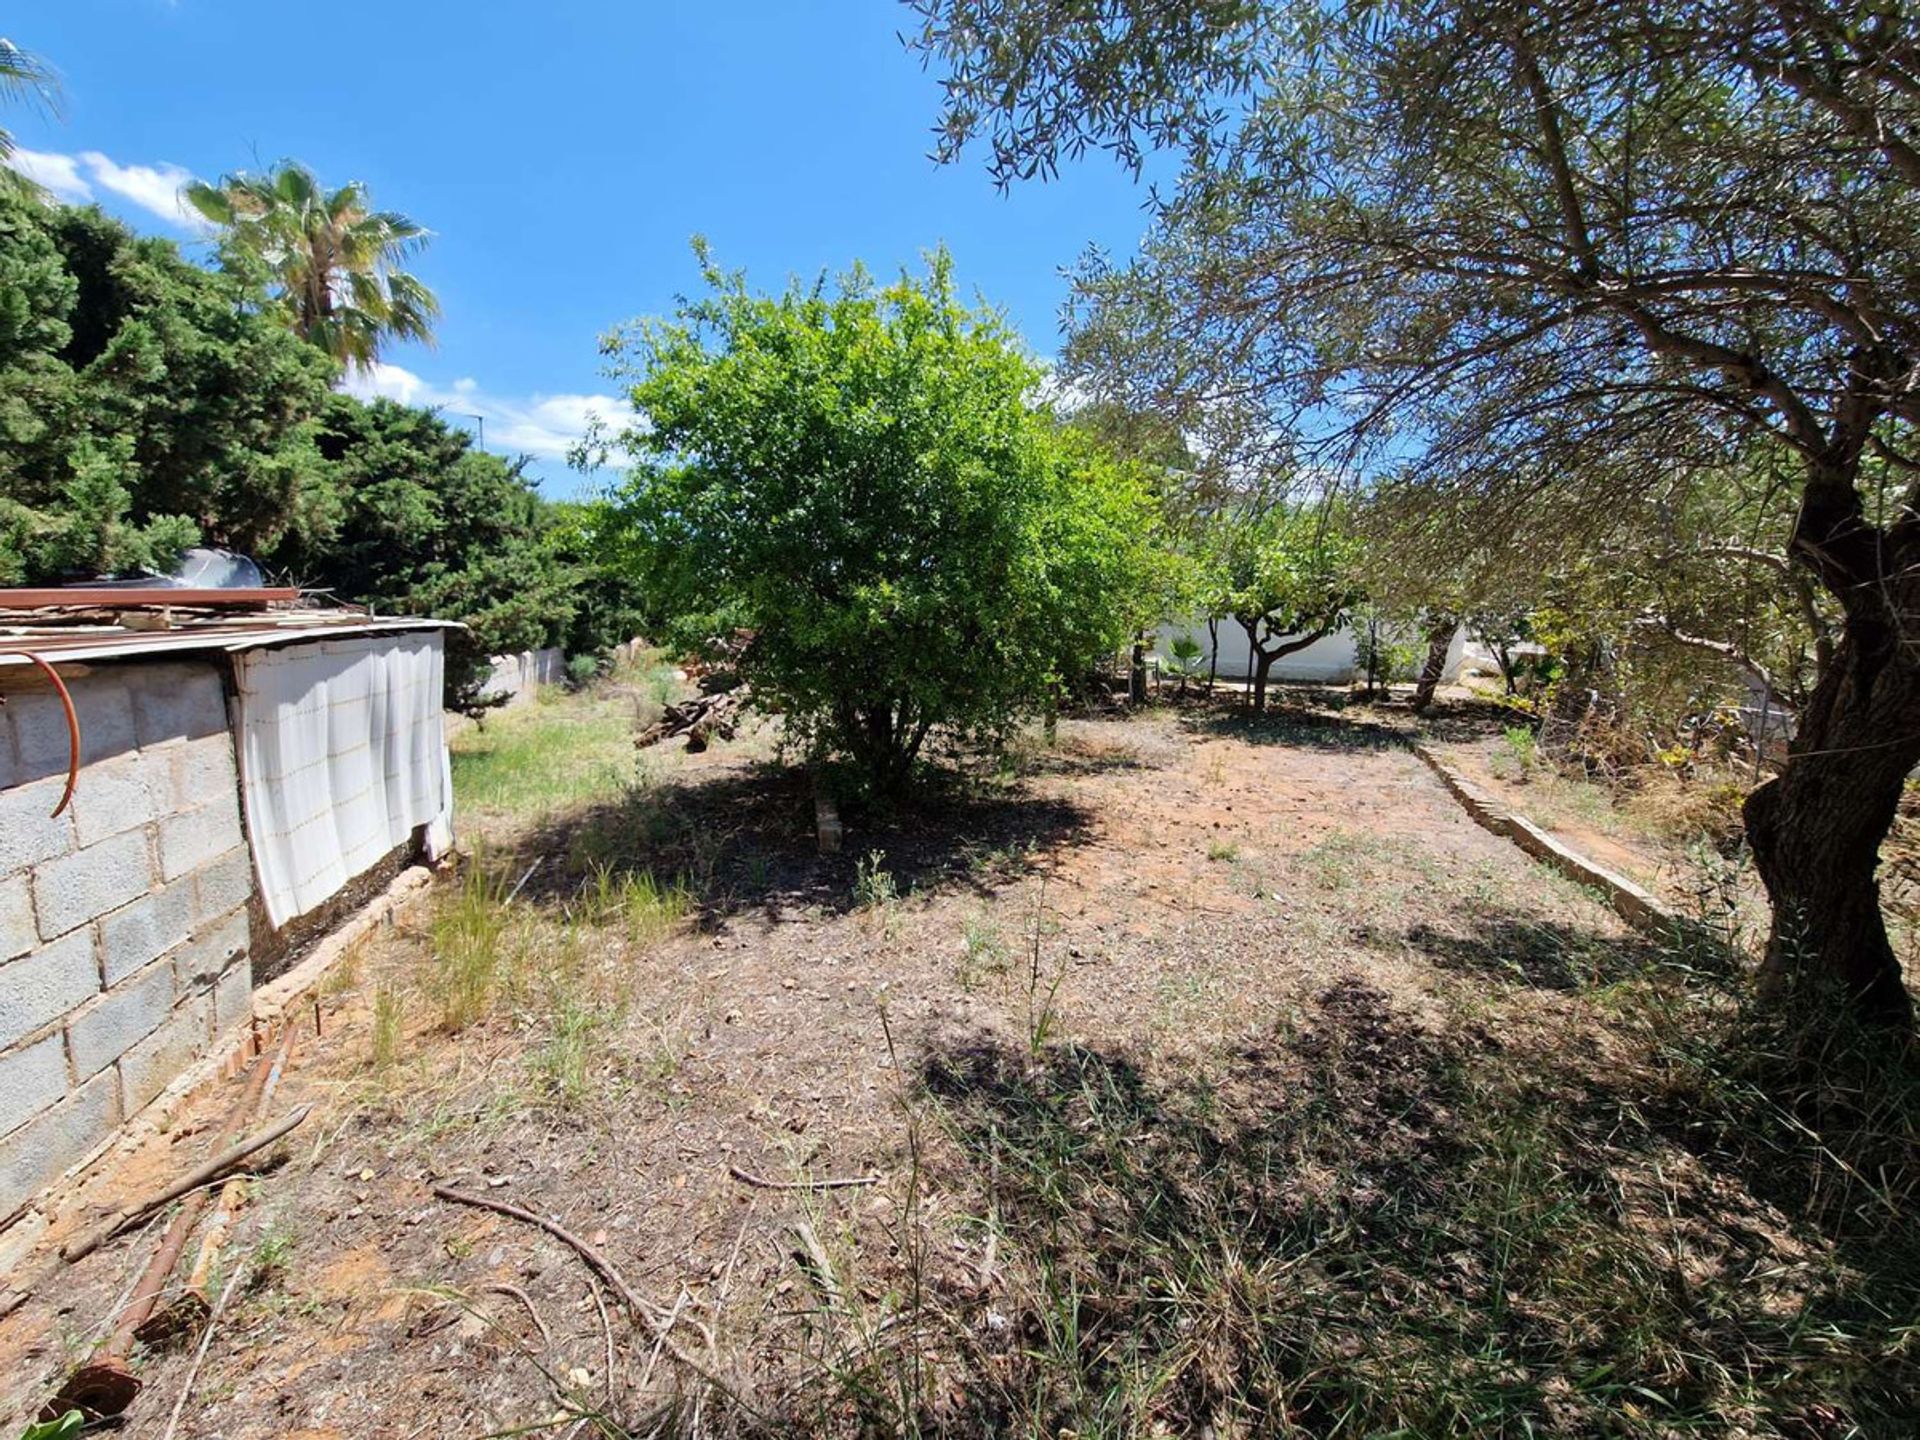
1632, 903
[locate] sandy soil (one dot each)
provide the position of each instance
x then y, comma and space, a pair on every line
1161, 887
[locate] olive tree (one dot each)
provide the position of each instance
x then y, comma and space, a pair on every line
862, 480
1522, 237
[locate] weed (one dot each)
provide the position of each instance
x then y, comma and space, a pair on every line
985, 951
535, 760
1368, 1228
272, 1252
389, 1025
1043, 989
873, 884
647, 907
345, 974
1518, 755
469, 942
1226, 850
565, 1063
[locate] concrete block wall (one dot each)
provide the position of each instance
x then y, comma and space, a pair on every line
124, 924
519, 677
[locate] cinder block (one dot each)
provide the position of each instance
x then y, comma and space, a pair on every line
120, 794
146, 1069
17, 932
11, 772
31, 1079
203, 770
75, 888
104, 707
104, 1031
28, 831
145, 930
191, 838
178, 702
40, 987
224, 884
233, 996
203, 959
60, 1137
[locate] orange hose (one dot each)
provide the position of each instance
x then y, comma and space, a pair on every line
73, 728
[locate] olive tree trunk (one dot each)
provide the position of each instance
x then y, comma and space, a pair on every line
1439, 642
1816, 829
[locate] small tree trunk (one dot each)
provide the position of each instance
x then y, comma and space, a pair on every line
1262, 667
1439, 642
1503, 657
1137, 673
1213, 651
1816, 829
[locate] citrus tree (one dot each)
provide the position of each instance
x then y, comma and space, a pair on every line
1289, 577
859, 480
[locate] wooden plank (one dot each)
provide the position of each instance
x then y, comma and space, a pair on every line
134, 597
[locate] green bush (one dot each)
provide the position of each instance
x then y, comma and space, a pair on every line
859, 486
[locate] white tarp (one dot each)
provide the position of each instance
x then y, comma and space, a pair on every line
342, 754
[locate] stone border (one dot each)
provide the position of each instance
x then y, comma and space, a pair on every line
273, 1005
1633, 904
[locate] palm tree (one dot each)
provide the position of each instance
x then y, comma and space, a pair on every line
333, 258
23, 77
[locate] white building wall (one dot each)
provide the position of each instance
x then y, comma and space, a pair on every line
1330, 660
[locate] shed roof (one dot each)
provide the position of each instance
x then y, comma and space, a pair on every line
91, 630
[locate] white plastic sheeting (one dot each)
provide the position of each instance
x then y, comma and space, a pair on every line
342, 755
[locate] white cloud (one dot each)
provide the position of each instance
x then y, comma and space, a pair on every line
544, 426
152, 188
59, 174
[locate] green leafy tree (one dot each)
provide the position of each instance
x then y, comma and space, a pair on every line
143, 404
333, 262
1288, 576
430, 526
1529, 239
860, 478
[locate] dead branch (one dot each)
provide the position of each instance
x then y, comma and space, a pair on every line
502, 1288
760, 1182
606, 1333
644, 1314
200, 1355
192, 1180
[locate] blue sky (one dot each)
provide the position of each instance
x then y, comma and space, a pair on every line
563, 153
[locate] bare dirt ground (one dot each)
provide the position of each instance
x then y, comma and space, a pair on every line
1179, 924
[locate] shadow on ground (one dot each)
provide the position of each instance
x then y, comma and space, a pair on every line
744, 840
1546, 954
1360, 1226
1295, 719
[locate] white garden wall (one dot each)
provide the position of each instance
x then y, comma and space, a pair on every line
1331, 660
519, 677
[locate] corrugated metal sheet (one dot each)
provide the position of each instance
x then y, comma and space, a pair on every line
60, 643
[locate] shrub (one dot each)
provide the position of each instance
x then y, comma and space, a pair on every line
859, 486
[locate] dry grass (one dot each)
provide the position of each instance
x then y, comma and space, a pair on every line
1374, 1128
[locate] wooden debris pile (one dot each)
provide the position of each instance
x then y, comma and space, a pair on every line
701, 720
